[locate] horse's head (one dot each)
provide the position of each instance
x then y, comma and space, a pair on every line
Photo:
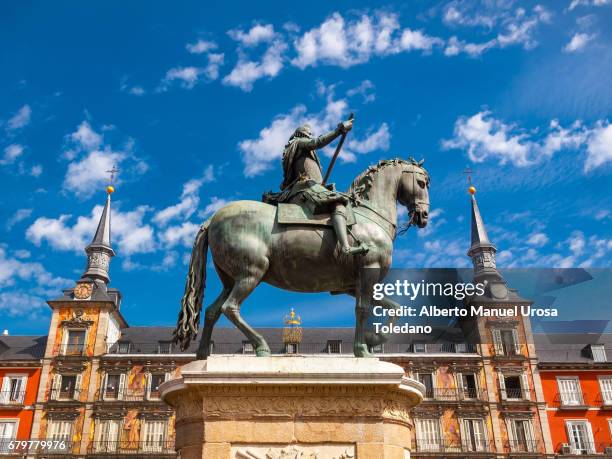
413, 192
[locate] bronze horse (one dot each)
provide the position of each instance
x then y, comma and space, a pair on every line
249, 246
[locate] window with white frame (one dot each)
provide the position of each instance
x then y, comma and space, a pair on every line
59, 430
113, 386
334, 346
569, 391
8, 433
605, 385
473, 435
522, 439
66, 387
106, 435
506, 341
427, 380
598, 351
73, 342
153, 436
467, 385
580, 436
514, 386
13, 389
154, 380
428, 435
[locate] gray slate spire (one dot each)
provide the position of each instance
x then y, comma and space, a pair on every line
100, 251
482, 252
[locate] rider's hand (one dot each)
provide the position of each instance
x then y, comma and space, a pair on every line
346, 125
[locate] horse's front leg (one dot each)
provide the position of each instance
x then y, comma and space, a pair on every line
363, 302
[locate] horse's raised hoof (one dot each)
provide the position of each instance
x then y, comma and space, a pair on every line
263, 351
361, 350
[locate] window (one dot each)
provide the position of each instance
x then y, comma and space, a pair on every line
419, 347
107, 436
65, 387
466, 384
514, 386
13, 389
291, 348
378, 348
164, 347
427, 380
154, 433
114, 387
506, 342
580, 436
59, 430
123, 347
8, 432
522, 439
428, 435
569, 391
598, 351
474, 437
247, 347
605, 385
154, 381
334, 346
74, 342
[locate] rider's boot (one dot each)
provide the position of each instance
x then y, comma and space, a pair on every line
338, 218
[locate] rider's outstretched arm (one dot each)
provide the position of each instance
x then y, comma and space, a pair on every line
322, 140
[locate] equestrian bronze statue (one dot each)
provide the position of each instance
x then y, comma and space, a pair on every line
298, 240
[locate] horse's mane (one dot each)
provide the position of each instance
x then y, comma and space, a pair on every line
363, 182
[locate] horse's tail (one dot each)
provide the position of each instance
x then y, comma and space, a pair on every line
191, 304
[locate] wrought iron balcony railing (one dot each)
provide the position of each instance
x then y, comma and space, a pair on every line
571, 399
61, 395
128, 395
516, 394
454, 394
524, 446
72, 350
12, 397
509, 351
154, 448
438, 445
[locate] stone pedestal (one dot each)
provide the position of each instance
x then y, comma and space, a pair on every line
288, 407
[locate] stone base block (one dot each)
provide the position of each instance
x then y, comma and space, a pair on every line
288, 407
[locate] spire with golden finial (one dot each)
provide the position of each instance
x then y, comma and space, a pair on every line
99, 251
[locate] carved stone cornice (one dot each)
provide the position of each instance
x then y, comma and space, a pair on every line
502, 322
68, 414
70, 366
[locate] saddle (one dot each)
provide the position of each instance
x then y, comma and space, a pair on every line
296, 214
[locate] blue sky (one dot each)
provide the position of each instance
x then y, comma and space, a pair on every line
193, 103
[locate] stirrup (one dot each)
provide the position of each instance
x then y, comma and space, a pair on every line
356, 250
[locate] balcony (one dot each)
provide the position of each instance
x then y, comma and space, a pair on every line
524, 446
511, 352
65, 395
440, 446
571, 401
153, 448
453, 394
128, 395
516, 395
11, 398
72, 350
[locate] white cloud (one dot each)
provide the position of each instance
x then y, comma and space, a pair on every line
214, 205
365, 89
201, 46
575, 3
182, 234
86, 138
20, 119
36, 170
85, 177
537, 239
130, 234
257, 34
11, 153
347, 43
90, 160
484, 138
246, 71
186, 76
189, 200
578, 42
137, 91
599, 146
17, 217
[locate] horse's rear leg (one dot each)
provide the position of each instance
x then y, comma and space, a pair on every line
241, 289
213, 312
